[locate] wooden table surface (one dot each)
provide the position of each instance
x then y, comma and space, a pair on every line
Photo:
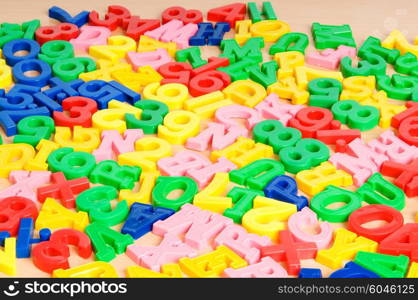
366, 17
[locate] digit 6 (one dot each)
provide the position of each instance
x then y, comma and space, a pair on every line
207, 82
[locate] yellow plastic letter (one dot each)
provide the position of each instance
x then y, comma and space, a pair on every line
315, 180
178, 126
345, 247
53, 215
210, 197
245, 92
268, 217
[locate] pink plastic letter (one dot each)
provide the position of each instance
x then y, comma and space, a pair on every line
395, 149
174, 31
270, 108
90, 35
151, 58
247, 245
183, 161
112, 141
364, 162
216, 136
330, 58
267, 267
170, 250
204, 175
226, 115
25, 183
171, 26
200, 226
305, 218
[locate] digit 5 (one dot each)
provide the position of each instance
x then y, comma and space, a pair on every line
175, 72
114, 17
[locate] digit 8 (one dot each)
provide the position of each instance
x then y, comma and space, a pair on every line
356, 116
307, 153
63, 31
273, 133
179, 13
